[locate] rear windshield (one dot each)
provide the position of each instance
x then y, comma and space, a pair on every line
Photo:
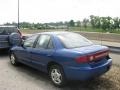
73, 40
7, 30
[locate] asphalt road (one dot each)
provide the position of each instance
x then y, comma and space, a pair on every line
26, 78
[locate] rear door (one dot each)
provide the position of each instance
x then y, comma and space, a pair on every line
43, 51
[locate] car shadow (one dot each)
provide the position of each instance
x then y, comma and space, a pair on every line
30, 72
95, 84
3, 53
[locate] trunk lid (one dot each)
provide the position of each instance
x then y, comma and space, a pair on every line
91, 49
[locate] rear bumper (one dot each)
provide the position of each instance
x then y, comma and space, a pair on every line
85, 73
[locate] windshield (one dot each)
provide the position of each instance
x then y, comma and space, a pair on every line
73, 40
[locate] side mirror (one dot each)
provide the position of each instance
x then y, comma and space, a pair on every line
24, 37
22, 44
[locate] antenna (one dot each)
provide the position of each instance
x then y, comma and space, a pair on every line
18, 15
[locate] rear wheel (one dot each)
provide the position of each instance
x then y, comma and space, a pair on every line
13, 60
57, 75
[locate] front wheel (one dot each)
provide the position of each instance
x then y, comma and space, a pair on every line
57, 75
13, 60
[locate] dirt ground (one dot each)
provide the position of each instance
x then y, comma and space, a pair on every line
26, 78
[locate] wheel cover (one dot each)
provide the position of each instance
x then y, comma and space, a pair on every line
56, 76
12, 59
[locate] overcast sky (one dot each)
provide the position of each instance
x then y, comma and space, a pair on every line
57, 10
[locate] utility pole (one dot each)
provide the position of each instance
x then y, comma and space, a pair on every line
18, 15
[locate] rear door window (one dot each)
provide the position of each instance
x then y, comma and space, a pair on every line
44, 42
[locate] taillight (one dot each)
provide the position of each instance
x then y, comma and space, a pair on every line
92, 57
82, 59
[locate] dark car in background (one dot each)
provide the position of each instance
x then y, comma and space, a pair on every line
8, 36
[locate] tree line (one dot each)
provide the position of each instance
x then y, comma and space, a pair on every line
97, 22
105, 23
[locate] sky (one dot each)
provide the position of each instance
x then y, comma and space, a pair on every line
56, 10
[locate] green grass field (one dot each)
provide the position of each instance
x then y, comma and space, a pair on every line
89, 29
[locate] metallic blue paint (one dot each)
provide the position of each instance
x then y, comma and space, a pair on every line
40, 58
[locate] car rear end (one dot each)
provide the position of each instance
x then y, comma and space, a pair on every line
90, 64
84, 59
5, 32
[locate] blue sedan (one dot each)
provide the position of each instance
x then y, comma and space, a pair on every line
63, 55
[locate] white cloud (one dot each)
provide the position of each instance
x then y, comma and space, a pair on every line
56, 10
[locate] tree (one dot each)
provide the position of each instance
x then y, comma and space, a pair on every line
85, 22
106, 23
95, 21
92, 21
78, 24
71, 23
116, 23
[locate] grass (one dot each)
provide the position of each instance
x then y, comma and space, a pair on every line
88, 29
85, 29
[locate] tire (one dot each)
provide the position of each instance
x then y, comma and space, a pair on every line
57, 75
15, 39
13, 60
